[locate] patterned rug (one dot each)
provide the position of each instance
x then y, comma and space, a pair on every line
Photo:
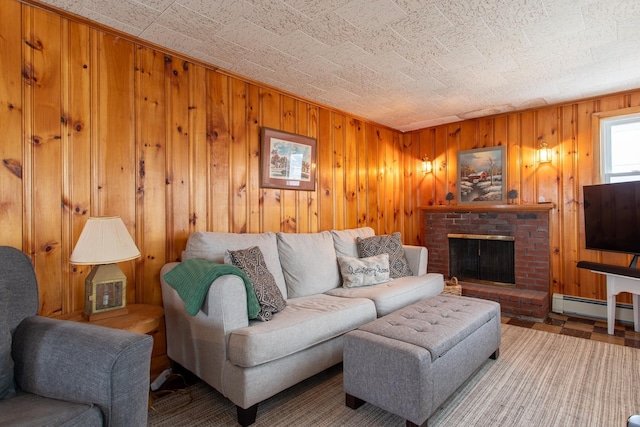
540, 379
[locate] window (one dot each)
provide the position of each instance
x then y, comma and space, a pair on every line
620, 138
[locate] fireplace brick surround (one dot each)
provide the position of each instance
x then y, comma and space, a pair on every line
528, 224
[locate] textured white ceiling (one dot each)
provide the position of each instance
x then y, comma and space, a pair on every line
408, 64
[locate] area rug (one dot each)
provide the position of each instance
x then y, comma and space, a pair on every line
540, 379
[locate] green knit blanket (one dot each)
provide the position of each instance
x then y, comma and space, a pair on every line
192, 277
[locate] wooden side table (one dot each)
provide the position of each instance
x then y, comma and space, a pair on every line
142, 318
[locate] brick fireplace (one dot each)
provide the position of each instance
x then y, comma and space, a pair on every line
527, 224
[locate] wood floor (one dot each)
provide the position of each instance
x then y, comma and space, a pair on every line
582, 327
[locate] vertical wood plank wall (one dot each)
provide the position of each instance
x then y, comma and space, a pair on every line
92, 123
568, 131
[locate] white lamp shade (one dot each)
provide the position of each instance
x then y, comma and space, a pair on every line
104, 240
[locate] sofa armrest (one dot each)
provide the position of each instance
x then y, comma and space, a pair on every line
85, 363
417, 257
200, 343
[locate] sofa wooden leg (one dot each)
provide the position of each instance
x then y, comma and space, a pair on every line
495, 354
352, 401
246, 417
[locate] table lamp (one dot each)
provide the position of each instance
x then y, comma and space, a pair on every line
104, 241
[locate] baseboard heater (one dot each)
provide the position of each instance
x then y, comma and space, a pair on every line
566, 304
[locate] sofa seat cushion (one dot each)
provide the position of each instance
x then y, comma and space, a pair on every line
213, 246
390, 296
27, 409
305, 322
309, 263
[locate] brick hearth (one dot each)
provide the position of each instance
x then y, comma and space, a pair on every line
529, 224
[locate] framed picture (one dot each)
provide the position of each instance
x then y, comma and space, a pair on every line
481, 176
287, 160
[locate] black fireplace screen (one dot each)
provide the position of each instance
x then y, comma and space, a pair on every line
482, 258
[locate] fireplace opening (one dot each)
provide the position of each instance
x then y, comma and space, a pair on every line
482, 258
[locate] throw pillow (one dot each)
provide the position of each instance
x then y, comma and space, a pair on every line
7, 385
390, 244
251, 261
364, 271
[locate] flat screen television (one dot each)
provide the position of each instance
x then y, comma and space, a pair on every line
612, 217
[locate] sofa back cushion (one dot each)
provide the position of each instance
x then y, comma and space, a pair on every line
213, 246
309, 263
345, 241
7, 386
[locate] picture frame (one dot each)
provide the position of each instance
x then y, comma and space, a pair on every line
287, 160
482, 176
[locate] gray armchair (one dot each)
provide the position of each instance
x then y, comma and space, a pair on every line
62, 373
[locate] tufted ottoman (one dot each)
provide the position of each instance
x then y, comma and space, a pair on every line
410, 361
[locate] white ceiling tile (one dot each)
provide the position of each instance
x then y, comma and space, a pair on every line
130, 13
247, 34
225, 12
110, 22
159, 5
167, 37
421, 23
277, 17
314, 9
331, 29
192, 24
370, 14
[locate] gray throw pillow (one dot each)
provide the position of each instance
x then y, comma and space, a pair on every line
7, 386
251, 261
389, 244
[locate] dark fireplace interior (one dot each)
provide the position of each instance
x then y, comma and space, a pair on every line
482, 258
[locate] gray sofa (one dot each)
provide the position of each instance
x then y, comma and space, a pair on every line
62, 373
249, 361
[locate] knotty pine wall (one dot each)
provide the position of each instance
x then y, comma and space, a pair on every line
94, 123
569, 130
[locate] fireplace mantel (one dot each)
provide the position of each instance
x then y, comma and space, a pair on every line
540, 207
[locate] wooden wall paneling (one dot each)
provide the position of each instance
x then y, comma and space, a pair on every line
200, 152
306, 127
385, 197
218, 141
361, 137
289, 198
271, 117
549, 179
313, 113
426, 181
373, 179
78, 124
410, 171
253, 141
514, 155
568, 203
351, 173
444, 176
324, 173
116, 154
151, 109
177, 75
588, 282
11, 122
398, 185
528, 147
338, 170
238, 156
486, 137
46, 140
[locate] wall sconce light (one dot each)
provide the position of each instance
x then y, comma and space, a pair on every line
544, 153
426, 164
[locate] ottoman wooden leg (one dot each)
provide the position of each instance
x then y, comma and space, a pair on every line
353, 402
495, 354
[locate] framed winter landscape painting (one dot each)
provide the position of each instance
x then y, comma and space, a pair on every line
481, 176
287, 160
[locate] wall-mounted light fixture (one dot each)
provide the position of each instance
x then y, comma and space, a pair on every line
544, 153
426, 164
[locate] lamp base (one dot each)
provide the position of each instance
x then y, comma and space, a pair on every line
90, 317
